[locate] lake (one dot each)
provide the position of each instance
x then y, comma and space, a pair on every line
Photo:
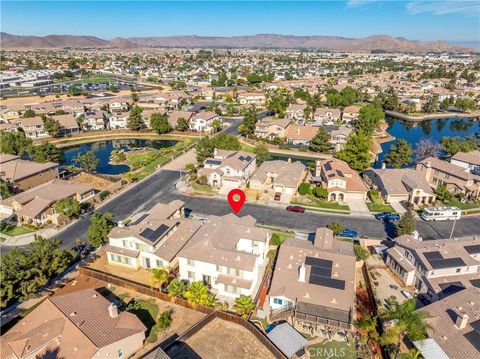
434, 129
103, 149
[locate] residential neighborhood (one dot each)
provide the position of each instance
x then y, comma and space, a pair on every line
284, 182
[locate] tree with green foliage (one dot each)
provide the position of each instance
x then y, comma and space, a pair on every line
46, 152
100, 227
443, 194
68, 207
361, 253
320, 192
277, 100
367, 326
29, 114
400, 154
407, 323
88, 161
216, 125
15, 143
160, 276
176, 288
244, 305
321, 141
249, 121
465, 104
197, 293
356, 152
262, 154
304, 188
52, 126
6, 189
164, 319
431, 105
369, 117
406, 224
135, 97
135, 121
452, 145
335, 227
160, 123
23, 271
182, 124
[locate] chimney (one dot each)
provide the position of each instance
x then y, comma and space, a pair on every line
289, 160
113, 310
301, 273
462, 319
298, 131
384, 165
121, 224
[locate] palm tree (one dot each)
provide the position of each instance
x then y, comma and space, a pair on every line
160, 276
244, 305
176, 288
197, 293
408, 323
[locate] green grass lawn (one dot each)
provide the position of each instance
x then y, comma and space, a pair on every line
148, 313
202, 188
320, 203
332, 349
247, 148
279, 236
457, 203
12, 230
380, 207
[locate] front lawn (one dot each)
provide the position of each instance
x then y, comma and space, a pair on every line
280, 235
12, 230
332, 349
147, 312
461, 205
377, 204
310, 200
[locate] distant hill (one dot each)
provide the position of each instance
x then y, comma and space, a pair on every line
375, 42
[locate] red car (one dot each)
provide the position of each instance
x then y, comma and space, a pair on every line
297, 209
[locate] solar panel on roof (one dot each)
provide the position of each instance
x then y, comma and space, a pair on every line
473, 249
141, 218
437, 261
340, 173
328, 167
451, 288
327, 282
321, 273
318, 262
213, 162
433, 256
331, 175
153, 235
248, 158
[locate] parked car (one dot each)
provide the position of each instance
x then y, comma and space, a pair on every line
387, 216
277, 196
347, 232
297, 209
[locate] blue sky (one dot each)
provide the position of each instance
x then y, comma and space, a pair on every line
417, 20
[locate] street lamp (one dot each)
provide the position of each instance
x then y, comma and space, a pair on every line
453, 227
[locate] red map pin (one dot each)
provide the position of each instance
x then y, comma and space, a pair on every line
236, 199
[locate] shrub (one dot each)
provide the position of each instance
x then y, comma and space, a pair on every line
165, 319
335, 227
360, 252
103, 194
304, 189
202, 180
320, 192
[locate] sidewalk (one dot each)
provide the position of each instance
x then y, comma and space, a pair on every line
25, 239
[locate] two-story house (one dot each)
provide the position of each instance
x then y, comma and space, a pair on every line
350, 113
228, 169
301, 135
203, 121
33, 127
455, 178
94, 121
326, 116
251, 98
314, 283
153, 240
436, 268
295, 111
470, 161
229, 254
341, 182
271, 128
118, 120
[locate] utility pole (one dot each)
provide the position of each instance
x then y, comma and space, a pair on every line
453, 227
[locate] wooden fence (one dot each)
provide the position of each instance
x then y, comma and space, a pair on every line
211, 313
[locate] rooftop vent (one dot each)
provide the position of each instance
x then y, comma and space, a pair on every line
113, 310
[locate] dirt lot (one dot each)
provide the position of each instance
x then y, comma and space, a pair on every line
221, 339
91, 180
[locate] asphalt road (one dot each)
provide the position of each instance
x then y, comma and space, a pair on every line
160, 187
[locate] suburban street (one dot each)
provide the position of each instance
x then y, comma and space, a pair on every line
160, 187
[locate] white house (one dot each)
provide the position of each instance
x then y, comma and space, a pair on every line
154, 240
228, 169
203, 121
228, 254
118, 120
94, 121
251, 98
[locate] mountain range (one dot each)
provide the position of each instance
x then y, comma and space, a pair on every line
374, 42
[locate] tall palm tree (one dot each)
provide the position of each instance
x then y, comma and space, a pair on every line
160, 276
244, 305
408, 323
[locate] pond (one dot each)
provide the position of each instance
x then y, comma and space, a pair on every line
434, 129
103, 149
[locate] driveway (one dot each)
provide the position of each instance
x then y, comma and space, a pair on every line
358, 207
397, 206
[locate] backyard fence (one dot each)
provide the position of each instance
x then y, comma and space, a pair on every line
211, 313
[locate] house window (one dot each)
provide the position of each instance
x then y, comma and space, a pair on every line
458, 270
125, 243
230, 289
277, 301
120, 352
159, 263
191, 276
191, 262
